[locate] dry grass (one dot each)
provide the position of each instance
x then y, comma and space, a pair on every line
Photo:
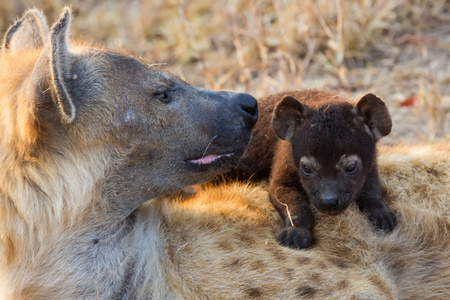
398, 49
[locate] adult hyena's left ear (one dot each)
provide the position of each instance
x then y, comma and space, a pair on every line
30, 32
375, 115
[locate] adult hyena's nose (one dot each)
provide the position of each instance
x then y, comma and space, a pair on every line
248, 108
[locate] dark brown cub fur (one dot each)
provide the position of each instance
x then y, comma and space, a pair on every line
319, 148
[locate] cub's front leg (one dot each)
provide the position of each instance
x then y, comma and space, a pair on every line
291, 201
370, 201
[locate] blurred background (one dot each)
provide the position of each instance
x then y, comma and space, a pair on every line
397, 49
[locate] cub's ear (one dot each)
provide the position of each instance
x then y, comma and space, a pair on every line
288, 115
374, 114
30, 32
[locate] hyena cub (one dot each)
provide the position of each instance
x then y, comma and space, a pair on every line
319, 148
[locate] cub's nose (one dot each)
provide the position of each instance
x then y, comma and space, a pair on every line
248, 108
329, 203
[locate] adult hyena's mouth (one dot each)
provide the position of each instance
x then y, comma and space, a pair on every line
214, 160
216, 157
210, 158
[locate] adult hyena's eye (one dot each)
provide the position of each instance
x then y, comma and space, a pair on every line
162, 96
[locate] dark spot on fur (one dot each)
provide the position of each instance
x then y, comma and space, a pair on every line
225, 245
315, 277
338, 263
303, 260
9, 249
279, 255
257, 265
246, 239
306, 291
235, 263
171, 254
290, 272
253, 292
343, 284
432, 171
398, 267
322, 265
379, 281
95, 241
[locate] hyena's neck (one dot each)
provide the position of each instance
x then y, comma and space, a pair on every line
41, 196
35, 214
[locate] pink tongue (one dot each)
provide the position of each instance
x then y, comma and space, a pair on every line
208, 158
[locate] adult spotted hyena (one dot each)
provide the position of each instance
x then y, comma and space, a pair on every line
87, 136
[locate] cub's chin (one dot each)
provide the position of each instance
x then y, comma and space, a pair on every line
332, 211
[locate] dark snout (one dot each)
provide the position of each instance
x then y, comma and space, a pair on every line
329, 203
248, 108
328, 197
225, 120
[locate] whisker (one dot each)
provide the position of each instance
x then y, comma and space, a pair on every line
208, 146
156, 64
206, 149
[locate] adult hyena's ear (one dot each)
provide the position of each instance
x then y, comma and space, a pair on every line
53, 70
30, 32
288, 115
375, 115
61, 60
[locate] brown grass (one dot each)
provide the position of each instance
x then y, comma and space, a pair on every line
398, 49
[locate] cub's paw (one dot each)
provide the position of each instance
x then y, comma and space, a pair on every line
383, 219
295, 237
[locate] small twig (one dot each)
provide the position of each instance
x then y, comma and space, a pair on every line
96, 290
287, 207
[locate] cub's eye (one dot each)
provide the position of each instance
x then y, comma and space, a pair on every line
162, 96
306, 170
352, 168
